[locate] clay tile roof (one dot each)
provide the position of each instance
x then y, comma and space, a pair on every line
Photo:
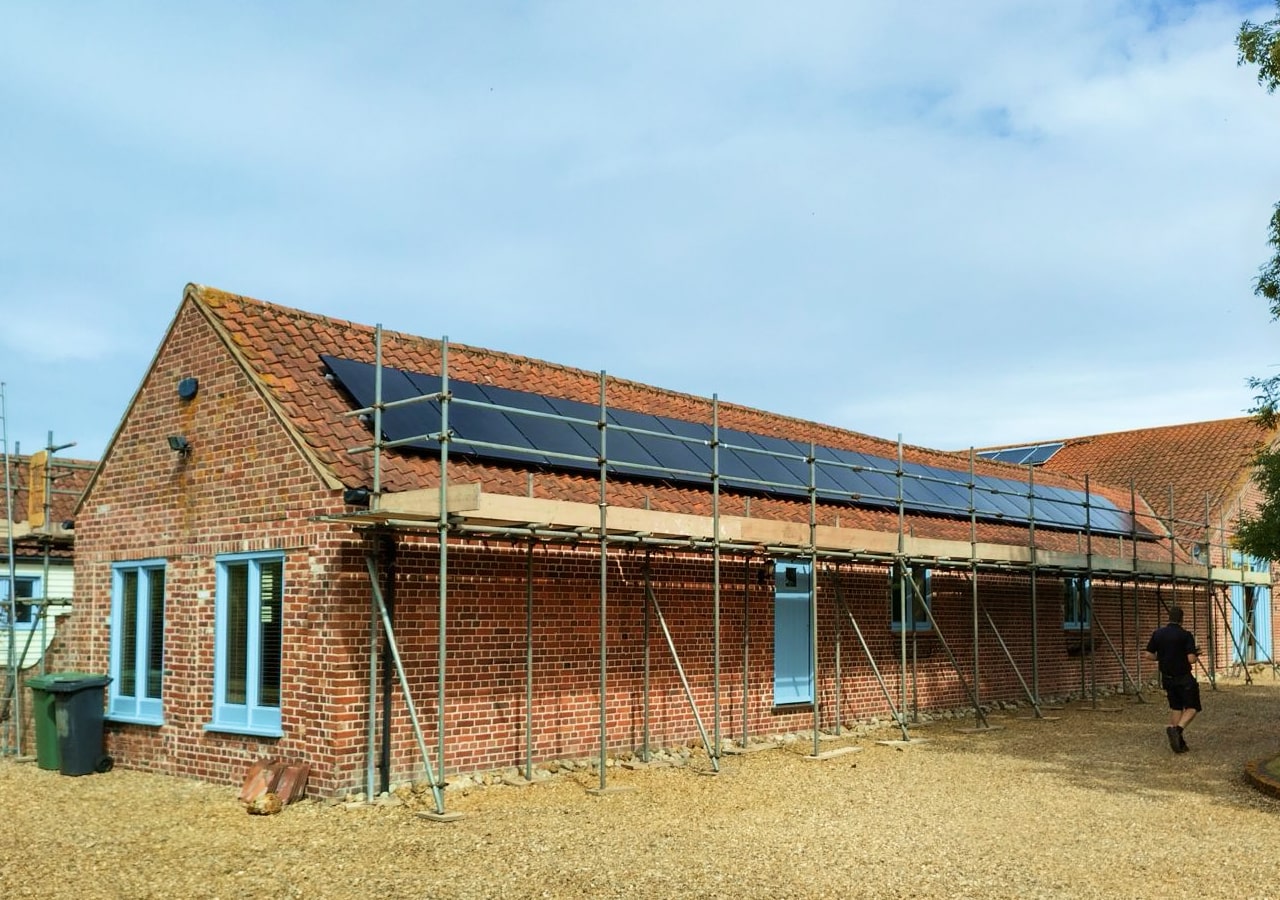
1196, 459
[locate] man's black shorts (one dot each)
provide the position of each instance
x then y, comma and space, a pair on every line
1183, 693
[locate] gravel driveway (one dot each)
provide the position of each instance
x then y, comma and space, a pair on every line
1089, 804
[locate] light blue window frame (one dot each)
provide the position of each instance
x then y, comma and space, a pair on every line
1077, 599
923, 579
28, 588
248, 643
135, 692
793, 661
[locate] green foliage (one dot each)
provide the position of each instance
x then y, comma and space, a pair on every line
1259, 45
1267, 400
1259, 534
1268, 284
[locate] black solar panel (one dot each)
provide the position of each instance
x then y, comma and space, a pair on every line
1034, 455
695, 437
673, 455
535, 429
398, 422
1041, 454
773, 457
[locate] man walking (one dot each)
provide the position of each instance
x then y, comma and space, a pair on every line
1174, 648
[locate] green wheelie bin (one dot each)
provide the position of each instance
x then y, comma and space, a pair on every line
42, 713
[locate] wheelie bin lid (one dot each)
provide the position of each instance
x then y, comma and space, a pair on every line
67, 682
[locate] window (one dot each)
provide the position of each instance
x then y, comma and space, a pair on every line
137, 642
792, 633
1077, 595
26, 589
918, 585
248, 632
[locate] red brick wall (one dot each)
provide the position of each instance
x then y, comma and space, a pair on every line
485, 689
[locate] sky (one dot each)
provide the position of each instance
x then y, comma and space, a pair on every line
965, 224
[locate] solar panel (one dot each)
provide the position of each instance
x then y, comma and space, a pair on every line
696, 438
673, 455
627, 453
946, 483
1012, 455
737, 465
1040, 455
535, 429
857, 475
922, 492
780, 456
476, 420
398, 422
1033, 455
849, 484
994, 492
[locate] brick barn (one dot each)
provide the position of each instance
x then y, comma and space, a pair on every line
263, 566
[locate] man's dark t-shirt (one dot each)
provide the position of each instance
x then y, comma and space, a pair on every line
1171, 645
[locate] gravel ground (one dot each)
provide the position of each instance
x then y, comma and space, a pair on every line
1090, 803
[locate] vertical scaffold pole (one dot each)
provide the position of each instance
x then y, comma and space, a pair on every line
442, 527
648, 591
371, 748
839, 669
813, 592
1137, 593
973, 575
1208, 591
1173, 559
1035, 604
604, 590
715, 573
1088, 589
12, 663
375, 500
372, 725
528, 663
746, 642
900, 578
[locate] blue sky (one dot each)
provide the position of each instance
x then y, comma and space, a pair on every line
967, 224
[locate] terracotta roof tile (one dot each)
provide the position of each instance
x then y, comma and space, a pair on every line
1196, 461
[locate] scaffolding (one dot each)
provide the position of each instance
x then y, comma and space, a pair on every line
43, 536
463, 513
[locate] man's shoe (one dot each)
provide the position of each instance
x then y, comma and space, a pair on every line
1175, 744
1182, 743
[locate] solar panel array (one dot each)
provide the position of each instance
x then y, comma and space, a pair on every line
530, 428
1034, 455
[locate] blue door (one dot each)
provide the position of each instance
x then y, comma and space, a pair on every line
792, 633
1250, 616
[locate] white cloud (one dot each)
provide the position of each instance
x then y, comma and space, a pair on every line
862, 212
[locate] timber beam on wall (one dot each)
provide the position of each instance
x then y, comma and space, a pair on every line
476, 511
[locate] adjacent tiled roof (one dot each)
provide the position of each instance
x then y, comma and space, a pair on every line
280, 347
1197, 460
69, 479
